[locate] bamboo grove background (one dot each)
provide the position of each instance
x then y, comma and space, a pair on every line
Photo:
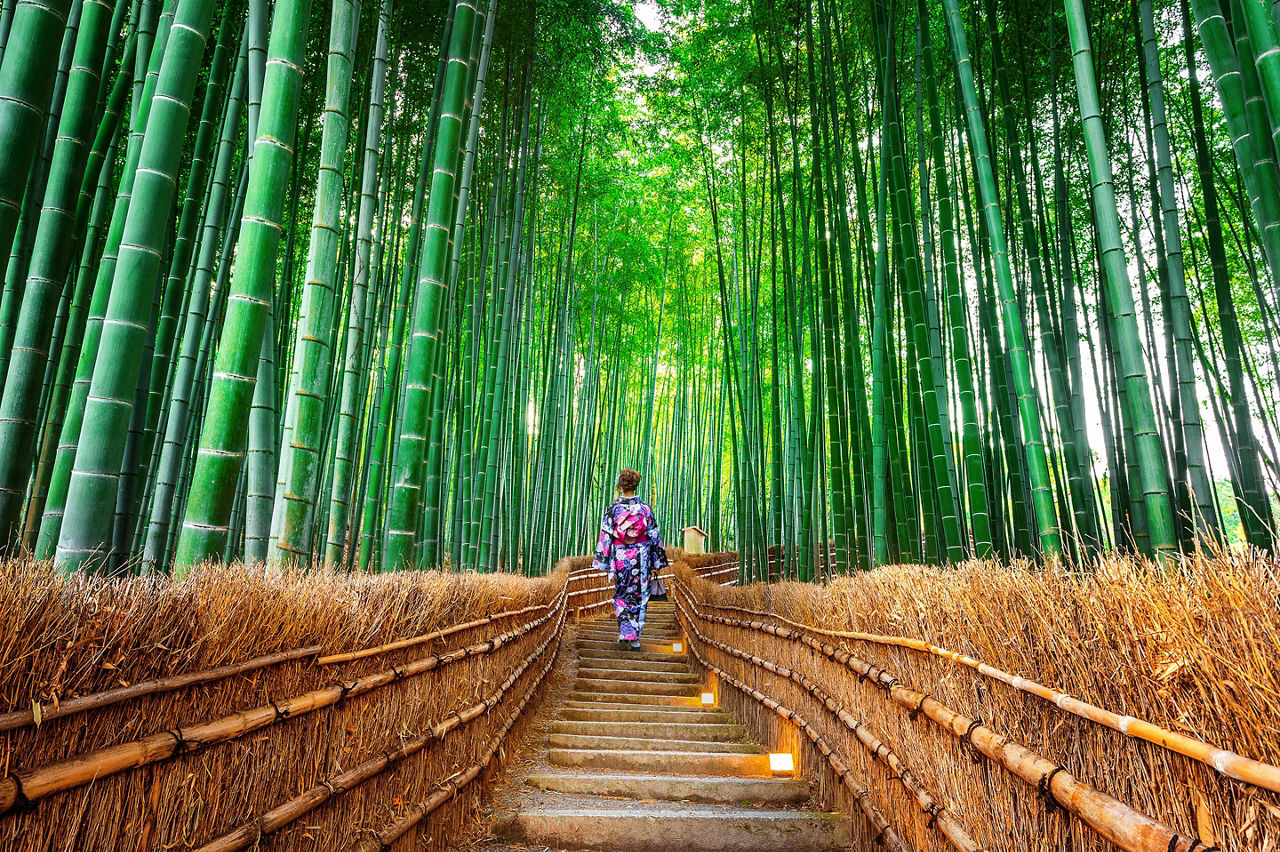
379, 284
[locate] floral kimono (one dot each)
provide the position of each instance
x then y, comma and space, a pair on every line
630, 548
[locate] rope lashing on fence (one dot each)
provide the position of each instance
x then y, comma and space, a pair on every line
939, 814
23, 718
400, 644
1116, 821
34, 784
1221, 760
282, 815
449, 788
884, 832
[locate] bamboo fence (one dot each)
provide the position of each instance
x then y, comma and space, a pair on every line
222, 709
937, 736
237, 707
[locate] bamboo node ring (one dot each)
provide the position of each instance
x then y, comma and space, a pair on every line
19, 804
1045, 788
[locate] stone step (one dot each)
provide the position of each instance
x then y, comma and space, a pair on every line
632, 699
675, 788
660, 828
660, 622
664, 617
641, 730
649, 634
620, 743
646, 646
632, 664
651, 620
649, 640
675, 762
706, 789
618, 685
634, 674
613, 713
616, 653
660, 703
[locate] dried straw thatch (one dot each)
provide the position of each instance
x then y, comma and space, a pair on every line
455, 695
1194, 649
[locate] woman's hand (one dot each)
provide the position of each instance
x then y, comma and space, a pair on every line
613, 576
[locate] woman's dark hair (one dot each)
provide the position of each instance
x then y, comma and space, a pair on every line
628, 479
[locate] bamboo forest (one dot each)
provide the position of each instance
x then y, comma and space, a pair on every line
403, 283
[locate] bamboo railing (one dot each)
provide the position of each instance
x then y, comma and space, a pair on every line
588, 591
250, 833
371, 699
47, 713
29, 786
1219, 759
939, 814
884, 833
868, 684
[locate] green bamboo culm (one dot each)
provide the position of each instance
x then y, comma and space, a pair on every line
52, 251
426, 329
1150, 449
1011, 316
86, 528
307, 407
220, 453
26, 85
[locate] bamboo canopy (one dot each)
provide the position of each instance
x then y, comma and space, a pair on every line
850, 283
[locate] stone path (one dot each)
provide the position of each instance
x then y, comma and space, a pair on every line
626, 757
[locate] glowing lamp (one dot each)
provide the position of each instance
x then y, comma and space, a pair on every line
782, 763
677, 647
708, 698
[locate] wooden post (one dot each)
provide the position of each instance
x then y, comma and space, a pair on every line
695, 540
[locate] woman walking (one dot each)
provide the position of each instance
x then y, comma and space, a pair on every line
631, 550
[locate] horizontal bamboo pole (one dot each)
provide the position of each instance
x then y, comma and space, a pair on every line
939, 814
250, 833
35, 784
22, 718
448, 789
1226, 762
702, 571
1116, 821
669, 576
885, 833
427, 637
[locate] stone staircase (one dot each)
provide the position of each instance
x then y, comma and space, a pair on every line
631, 760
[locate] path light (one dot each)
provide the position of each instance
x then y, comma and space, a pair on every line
780, 763
677, 647
708, 698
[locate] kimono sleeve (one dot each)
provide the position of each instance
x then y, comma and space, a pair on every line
602, 560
